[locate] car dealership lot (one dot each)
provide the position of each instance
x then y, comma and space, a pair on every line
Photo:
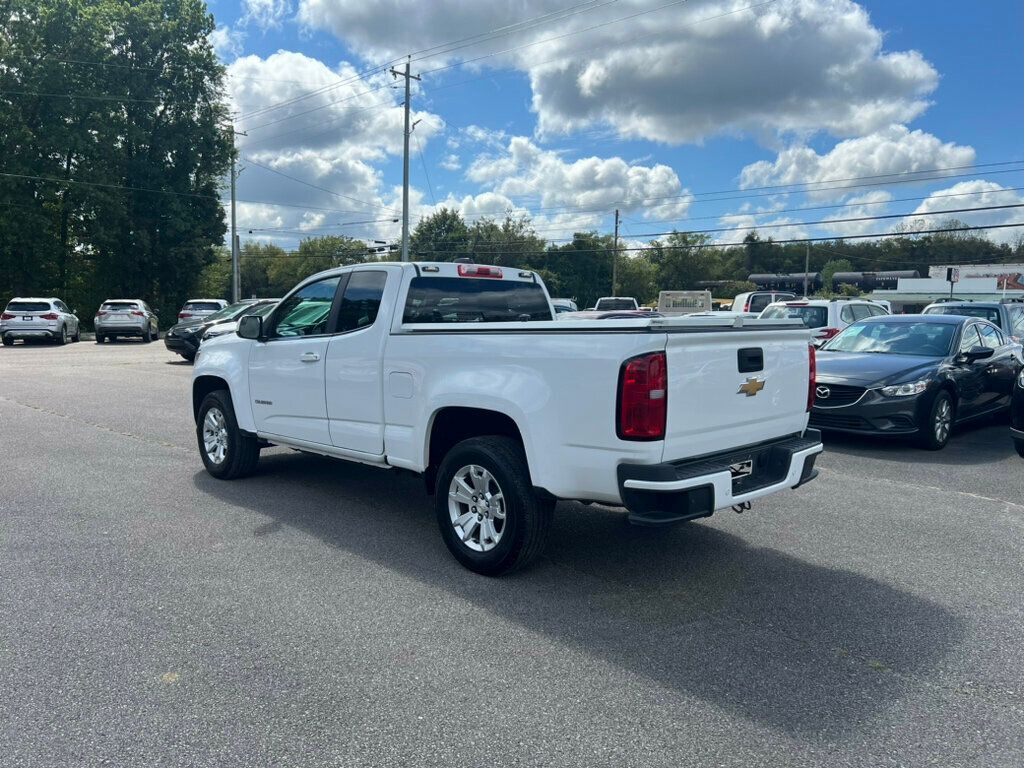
310, 615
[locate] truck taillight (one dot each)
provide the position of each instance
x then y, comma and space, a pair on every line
473, 270
50, 316
643, 398
746, 306
812, 376
6, 316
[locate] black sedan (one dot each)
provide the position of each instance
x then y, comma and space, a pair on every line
185, 337
1017, 415
914, 375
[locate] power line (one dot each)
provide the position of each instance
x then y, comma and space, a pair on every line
315, 186
107, 186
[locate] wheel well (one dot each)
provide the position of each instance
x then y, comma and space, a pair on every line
203, 386
453, 425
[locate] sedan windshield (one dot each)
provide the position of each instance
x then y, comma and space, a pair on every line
889, 338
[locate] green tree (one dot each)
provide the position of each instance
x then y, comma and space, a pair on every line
111, 120
443, 236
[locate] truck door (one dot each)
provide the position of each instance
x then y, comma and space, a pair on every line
286, 372
354, 367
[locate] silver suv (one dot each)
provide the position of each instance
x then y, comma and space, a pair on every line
125, 317
197, 308
32, 318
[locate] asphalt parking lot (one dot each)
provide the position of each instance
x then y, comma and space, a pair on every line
311, 616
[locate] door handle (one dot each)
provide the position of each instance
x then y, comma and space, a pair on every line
309, 357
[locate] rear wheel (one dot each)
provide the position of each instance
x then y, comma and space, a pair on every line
8, 342
63, 338
78, 335
938, 427
1019, 445
490, 518
99, 338
146, 337
226, 451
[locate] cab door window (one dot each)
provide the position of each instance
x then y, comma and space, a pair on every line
360, 302
307, 312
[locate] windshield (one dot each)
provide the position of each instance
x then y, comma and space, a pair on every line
229, 312
462, 300
28, 306
201, 306
965, 310
812, 317
914, 338
611, 304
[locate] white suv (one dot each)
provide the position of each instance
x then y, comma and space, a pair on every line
31, 318
826, 317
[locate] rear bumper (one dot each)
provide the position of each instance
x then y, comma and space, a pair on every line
693, 488
121, 330
30, 333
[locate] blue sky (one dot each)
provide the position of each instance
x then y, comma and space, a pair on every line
576, 108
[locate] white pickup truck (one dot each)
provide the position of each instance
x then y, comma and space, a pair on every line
460, 373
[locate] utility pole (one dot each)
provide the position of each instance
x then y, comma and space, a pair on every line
807, 265
409, 77
615, 254
236, 281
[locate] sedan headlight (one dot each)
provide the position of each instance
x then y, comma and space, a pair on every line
904, 390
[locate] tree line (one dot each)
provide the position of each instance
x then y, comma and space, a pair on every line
582, 268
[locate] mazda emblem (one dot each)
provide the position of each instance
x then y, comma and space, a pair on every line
822, 392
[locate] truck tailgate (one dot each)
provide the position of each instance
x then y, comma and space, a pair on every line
729, 388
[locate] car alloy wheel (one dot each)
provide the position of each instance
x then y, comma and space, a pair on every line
943, 422
476, 506
215, 436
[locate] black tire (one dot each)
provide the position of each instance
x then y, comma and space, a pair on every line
931, 437
156, 334
99, 338
190, 356
62, 339
1019, 445
78, 335
146, 336
527, 518
8, 342
241, 452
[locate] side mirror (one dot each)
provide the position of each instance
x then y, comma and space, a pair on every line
977, 353
250, 327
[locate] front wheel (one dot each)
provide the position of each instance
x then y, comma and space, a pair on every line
937, 428
490, 518
227, 452
1019, 445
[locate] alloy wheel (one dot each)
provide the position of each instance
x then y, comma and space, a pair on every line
476, 506
943, 421
215, 435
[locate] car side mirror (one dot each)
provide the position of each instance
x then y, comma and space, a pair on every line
250, 327
974, 354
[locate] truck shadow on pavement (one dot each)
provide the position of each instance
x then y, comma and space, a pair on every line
791, 645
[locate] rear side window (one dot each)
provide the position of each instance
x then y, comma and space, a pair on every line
474, 300
1017, 321
812, 317
361, 301
28, 306
201, 306
846, 314
759, 301
860, 311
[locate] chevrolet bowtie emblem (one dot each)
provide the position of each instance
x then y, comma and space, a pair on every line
750, 387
